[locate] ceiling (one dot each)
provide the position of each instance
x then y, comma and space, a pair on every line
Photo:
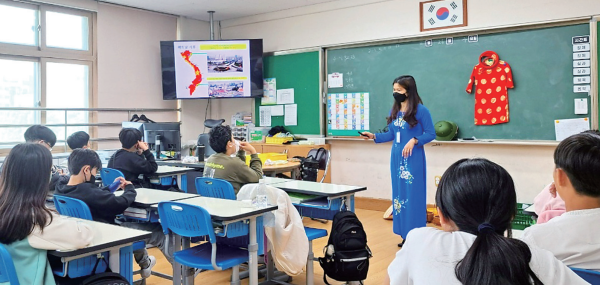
224, 9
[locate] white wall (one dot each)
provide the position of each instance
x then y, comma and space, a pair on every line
129, 72
349, 21
366, 163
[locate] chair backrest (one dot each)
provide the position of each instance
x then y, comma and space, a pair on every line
590, 276
72, 207
109, 175
323, 156
185, 220
215, 188
7, 267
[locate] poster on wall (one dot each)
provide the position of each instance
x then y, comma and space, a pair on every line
348, 111
443, 14
270, 88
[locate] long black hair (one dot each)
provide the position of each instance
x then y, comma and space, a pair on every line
407, 82
479, 197
23, 188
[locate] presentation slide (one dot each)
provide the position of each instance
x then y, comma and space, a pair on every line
212, 69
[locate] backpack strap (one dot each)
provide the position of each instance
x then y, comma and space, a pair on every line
325, 279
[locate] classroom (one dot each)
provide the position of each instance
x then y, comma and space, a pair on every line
106, 66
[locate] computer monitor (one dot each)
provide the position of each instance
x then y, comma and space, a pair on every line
168, 133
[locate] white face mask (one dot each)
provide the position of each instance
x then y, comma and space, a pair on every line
237, 145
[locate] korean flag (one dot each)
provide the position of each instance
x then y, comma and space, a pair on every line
440, 14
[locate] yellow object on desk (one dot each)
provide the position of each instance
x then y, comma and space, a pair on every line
269, 155
278, 140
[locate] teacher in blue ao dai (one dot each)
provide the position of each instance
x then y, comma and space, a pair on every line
409, 128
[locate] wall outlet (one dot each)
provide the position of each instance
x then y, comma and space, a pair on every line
437, 180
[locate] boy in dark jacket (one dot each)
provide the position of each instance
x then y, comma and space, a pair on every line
134, 159
104, 205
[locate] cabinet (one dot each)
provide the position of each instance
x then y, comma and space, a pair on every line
295, 150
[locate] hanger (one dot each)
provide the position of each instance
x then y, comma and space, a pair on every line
144, 118
134, 118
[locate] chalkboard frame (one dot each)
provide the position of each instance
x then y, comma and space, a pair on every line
594, 33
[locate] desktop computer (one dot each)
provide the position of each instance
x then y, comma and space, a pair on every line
161, 137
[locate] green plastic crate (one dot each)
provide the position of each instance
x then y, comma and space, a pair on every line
522, 221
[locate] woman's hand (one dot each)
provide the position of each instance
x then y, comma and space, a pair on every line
368, 136
407, 151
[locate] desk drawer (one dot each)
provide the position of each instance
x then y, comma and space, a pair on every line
141, 214
323, 208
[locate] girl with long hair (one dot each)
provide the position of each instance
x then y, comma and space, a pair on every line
476, 202
410, 127
27, 228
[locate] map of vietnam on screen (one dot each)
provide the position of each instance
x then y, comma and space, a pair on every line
212, 69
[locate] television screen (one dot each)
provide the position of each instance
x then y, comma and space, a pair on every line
212, 69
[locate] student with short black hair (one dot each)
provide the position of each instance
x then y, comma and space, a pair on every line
46, 137
79, 139
84, 164
232, 169
476, 202
134, 158
27, 228
574, 237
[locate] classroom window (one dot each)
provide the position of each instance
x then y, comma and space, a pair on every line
46, 60
67, 86
67, 31
18, 88
18, 25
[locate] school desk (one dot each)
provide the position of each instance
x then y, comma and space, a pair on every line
115, 239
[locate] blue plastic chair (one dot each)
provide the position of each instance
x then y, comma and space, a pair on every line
109, 175
312, 234
590, 276
72, 207
192, 221
7, 267
215, 188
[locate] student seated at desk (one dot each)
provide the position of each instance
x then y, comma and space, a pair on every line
574, 237
27, 228
232, 169
104, 205
79, 139
46, 137
476, 202
134, 159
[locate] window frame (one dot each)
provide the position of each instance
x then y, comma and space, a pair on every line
43, 55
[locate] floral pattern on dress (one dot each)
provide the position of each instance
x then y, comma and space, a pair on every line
399, 204
400, 122
404, 172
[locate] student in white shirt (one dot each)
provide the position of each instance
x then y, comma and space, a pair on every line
27, 228
476, 200
574, 237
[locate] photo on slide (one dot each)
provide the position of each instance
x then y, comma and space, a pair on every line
226, 89
225, 61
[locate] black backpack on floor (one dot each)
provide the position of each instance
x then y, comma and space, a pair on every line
346, 254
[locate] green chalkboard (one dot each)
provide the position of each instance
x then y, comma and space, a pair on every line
541, 61
301, 72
